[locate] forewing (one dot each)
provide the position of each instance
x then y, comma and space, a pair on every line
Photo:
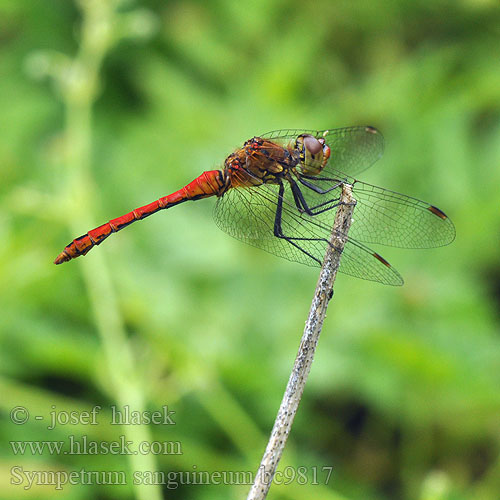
353, 149
386, 217
394, 219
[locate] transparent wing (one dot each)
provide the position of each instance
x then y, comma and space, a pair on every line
394, 219
353, 149
248, 214
385, 217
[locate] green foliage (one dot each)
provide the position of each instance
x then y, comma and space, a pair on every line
403, 397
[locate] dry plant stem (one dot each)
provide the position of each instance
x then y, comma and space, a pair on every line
305, 355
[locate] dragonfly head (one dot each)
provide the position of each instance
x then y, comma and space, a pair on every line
313, 153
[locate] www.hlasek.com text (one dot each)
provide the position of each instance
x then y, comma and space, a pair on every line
85, 446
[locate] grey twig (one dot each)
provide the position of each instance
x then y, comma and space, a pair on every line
305, 355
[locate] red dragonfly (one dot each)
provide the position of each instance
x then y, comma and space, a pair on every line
279, 191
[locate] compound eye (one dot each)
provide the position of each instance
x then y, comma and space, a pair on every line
312, 144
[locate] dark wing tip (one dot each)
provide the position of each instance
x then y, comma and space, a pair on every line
437, 211
396, 279
381, 259
379, 139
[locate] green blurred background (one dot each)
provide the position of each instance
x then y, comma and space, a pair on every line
108, 105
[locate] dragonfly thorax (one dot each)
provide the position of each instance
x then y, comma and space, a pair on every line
259, 161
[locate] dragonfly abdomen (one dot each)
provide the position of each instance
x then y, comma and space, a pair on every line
210, 183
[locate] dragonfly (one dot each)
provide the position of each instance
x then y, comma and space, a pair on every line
279, 192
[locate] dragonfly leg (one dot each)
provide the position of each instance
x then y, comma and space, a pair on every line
317, 189
300, 202
317, 178
278, 230
303, 205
